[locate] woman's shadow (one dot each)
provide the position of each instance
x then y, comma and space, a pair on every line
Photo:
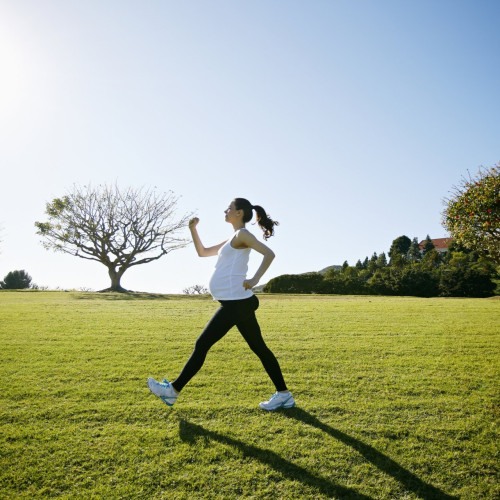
190, 432
409, 481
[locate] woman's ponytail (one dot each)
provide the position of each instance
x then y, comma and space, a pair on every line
265, 222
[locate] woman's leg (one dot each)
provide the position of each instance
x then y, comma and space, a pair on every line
222, 321
250, 329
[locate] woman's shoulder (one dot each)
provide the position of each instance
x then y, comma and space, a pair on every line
243, 234
241, 238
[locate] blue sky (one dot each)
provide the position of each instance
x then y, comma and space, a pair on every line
349, 121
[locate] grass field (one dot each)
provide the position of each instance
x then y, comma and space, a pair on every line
396, 398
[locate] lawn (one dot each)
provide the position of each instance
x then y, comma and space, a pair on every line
396, 398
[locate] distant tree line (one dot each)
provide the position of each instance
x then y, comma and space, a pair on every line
410, 270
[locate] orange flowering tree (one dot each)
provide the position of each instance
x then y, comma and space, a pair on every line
472, 214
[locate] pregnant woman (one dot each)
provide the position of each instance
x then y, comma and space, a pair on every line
230, 286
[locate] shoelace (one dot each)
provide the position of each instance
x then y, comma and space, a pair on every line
167, 383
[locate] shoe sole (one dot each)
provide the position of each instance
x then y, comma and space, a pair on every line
278, 407
164, 399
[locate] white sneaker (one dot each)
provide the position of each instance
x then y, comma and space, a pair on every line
278, 400
163, 390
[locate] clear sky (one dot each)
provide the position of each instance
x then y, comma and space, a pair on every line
348, 120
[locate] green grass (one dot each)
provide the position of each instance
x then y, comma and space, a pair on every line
397, 398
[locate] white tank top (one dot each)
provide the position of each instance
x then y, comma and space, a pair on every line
230, 271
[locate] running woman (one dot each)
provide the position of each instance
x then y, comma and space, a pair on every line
238, 303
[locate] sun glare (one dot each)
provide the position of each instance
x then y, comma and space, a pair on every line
13, 80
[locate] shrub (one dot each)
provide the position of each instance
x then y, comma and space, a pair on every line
295, 283
466, 282
17, 280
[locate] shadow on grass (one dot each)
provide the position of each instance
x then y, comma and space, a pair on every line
190, 432
126, 296
409, 480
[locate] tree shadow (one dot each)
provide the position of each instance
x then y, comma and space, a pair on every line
410, 481
125, 296
190, 432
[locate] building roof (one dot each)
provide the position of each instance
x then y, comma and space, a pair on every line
439, 243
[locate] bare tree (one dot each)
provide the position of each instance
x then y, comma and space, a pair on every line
118, 228
195, 290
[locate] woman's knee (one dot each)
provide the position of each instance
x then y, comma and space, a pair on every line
260, 348
202, 345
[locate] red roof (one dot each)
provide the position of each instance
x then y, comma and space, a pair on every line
439, 243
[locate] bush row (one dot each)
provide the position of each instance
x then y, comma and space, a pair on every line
459, 273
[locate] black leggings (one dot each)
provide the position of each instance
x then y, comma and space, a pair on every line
242, 314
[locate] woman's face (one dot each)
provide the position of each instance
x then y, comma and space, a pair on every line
231, 213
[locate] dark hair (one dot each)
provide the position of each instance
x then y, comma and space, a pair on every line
265, 222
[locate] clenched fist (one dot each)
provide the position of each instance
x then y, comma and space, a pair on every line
193, 222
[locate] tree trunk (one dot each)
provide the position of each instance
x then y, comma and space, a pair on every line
115, 276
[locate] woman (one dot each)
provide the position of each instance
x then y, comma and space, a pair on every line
230, 287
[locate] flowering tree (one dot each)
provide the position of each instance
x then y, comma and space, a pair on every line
118, 228
472, 214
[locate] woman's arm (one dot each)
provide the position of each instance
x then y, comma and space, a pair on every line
200, 249
245, 239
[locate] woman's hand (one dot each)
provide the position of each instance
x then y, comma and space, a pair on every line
248, 240
249, 284
193, 222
